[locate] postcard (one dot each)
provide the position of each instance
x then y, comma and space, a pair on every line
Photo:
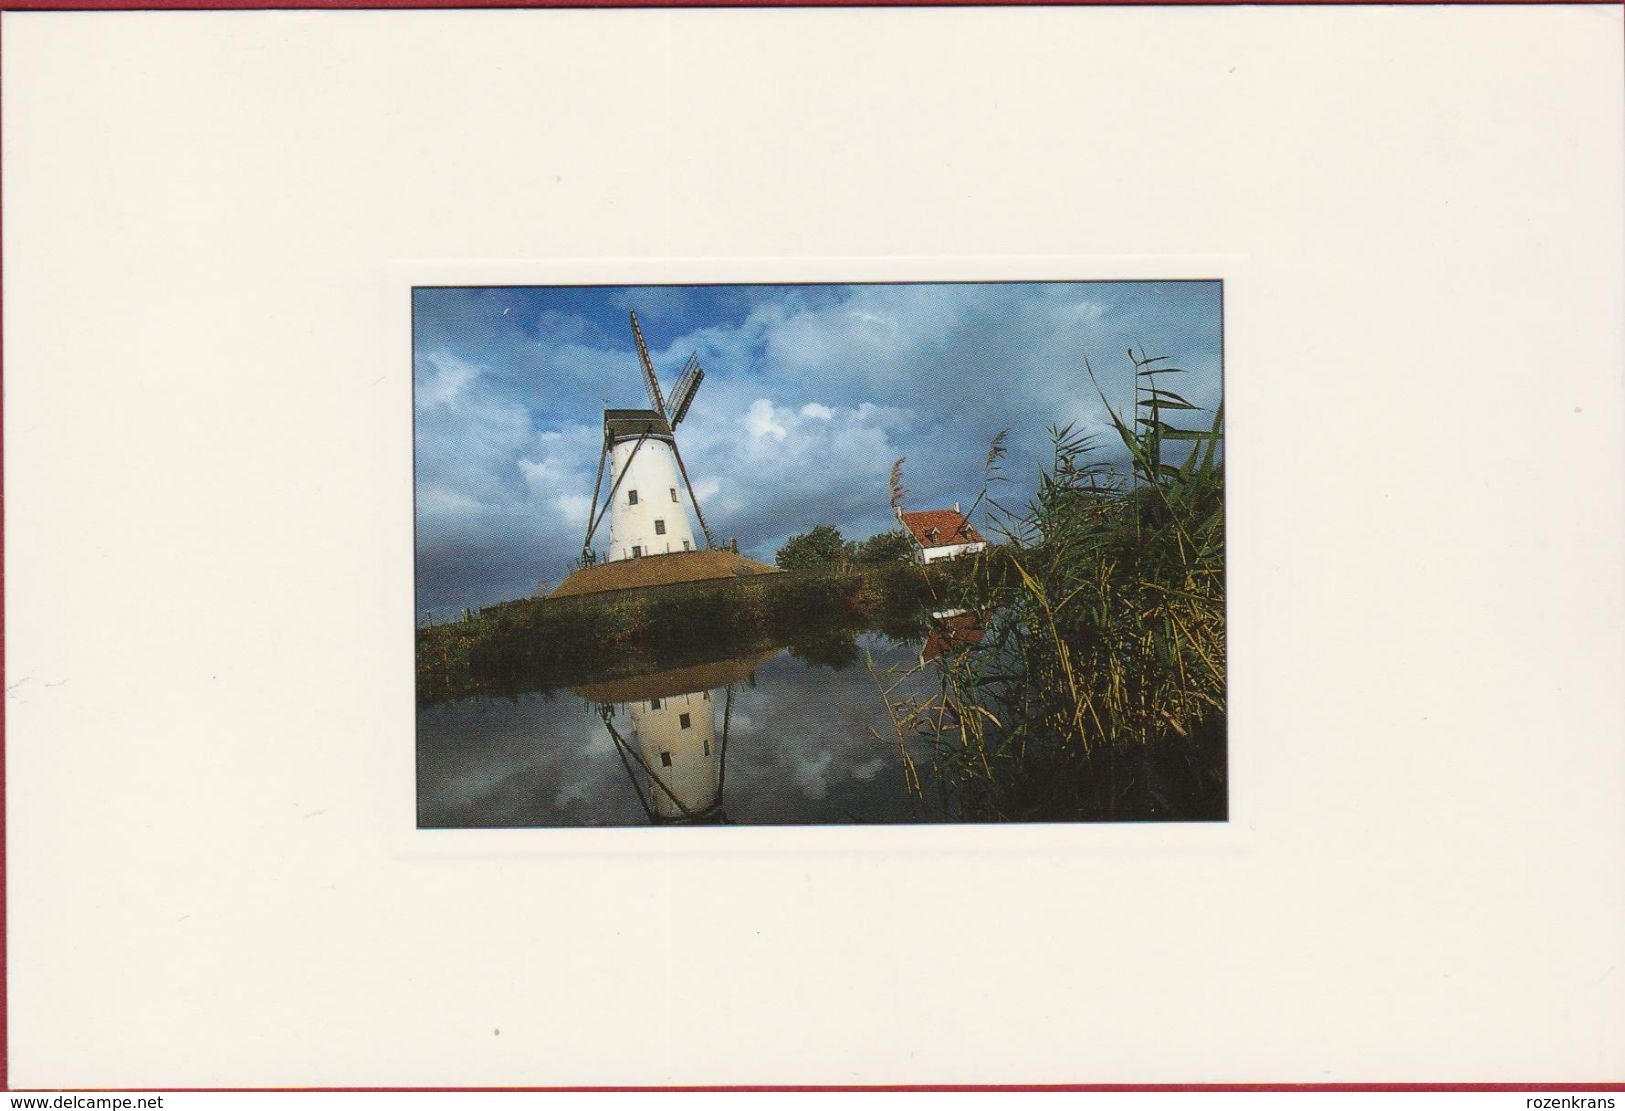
814, 546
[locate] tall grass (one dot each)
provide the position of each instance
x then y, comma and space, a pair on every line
1098, 691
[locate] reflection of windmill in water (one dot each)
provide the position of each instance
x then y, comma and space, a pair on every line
675, 758
648, 520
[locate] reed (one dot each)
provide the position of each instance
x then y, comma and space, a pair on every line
1098, 688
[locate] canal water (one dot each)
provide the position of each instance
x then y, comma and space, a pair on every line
767, 739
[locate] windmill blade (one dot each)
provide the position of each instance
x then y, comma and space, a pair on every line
597, 487
722, 755
649, 379
602, 510
683, 394
692, 497
654, 780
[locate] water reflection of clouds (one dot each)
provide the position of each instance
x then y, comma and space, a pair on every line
800, 750
809, 754
534, 762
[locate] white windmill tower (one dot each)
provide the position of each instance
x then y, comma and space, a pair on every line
675, 758
678, 750
646, 473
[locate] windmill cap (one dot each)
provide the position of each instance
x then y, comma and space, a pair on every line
626, 424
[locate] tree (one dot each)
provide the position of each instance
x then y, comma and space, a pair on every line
822, 545
837, 649
895, 546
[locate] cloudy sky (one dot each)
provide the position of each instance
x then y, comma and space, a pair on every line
810, 393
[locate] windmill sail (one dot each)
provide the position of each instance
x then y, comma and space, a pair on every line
656, 402
682, 395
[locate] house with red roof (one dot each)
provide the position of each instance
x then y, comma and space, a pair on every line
941, 533
951, 630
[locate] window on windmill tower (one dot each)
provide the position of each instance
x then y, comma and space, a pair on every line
660, 528
631, 497
665, 759
637, 551
682, 721
674, 493
688, 546
654, 703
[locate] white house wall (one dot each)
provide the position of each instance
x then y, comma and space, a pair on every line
651, 473
948, 551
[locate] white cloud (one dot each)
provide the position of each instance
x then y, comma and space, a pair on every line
809, 774
573, 508
1079, 312
762, 422
542, 477
570, 792
868, 769
814, 411
437, 501
559, 467
448, 380
886, 325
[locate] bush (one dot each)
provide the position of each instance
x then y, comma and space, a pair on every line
545, 644
895, 546
811, 549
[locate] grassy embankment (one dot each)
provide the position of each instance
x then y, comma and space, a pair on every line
544, 644
1098, 692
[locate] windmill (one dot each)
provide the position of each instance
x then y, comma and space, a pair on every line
674, 756
646, 514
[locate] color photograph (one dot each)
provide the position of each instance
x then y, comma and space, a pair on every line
819, 554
